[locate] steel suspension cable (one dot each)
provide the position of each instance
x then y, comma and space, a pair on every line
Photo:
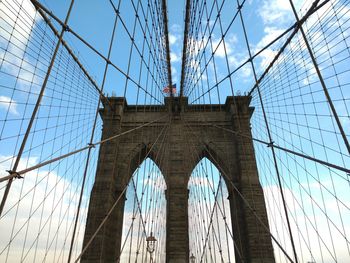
112, 207
35, 110
248, 204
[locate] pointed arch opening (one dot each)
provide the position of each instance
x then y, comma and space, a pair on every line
209, 217
144, 215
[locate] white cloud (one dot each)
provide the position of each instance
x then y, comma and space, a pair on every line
276, 12
202, 201
266, 58
234, 62
271, 33
304, 224
245, 72
138, 239
175, 40
276, 19
45, 211
219, 48
153, 214
9, 105
232, 39
174, 57
345, 122
13, 60
200, 181
172, 39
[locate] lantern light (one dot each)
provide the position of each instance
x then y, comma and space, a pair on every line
151, 244
192, 258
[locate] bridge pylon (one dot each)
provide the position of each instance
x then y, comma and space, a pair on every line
202, 127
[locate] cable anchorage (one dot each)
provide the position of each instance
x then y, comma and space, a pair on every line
14, 174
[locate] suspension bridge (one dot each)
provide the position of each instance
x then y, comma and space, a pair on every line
102, 159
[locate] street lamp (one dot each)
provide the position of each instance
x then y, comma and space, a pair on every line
192, 258
151, 245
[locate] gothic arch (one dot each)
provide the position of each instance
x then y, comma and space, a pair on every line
134, 158
216, 156
224, 151
144, 213
208, 191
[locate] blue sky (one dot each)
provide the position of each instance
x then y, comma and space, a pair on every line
94, 20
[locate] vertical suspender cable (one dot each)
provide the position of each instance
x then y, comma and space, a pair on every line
36, 108
184, 49
319, 74
270, 136
91, 139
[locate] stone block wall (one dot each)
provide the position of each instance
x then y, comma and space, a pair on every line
179, 138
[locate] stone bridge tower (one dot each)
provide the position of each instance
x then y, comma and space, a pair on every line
184, 125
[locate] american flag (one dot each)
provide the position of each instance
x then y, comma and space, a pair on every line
167, 89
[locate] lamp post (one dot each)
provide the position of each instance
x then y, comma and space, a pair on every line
151, 245
192, 258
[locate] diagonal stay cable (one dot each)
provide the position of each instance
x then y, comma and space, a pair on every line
167, 48
140, 201
294, 26
143, 221
322, 81
137, 49
184, 49
197, 157
340, 168
312, 9
211, 221
115, 203
277, 170
68, 29
190, 70
18, 174
92, 138
71, 53
36, 108
246, 201
135, 213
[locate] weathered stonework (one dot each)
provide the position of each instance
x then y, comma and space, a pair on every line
182, 135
